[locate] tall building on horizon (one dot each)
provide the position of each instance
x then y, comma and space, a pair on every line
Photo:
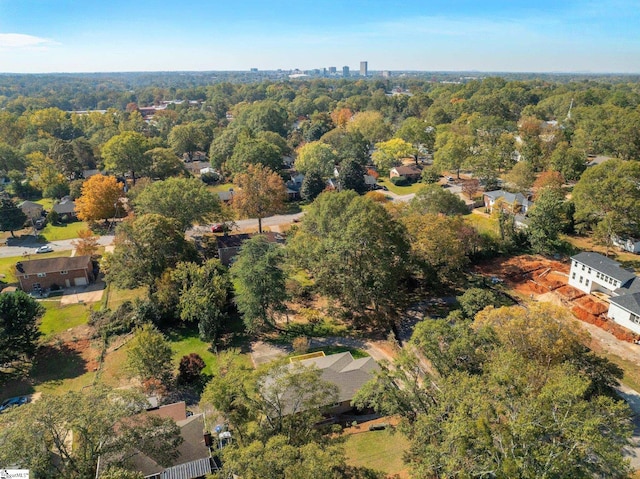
345, 71
364, 69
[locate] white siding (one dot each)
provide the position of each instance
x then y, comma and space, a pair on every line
587, 279
623, 318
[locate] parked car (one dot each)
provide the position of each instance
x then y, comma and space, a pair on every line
13, 402
44, 249
217, 228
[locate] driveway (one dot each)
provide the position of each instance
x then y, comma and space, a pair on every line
88, 294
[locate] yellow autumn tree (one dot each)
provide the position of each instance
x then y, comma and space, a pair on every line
101, 197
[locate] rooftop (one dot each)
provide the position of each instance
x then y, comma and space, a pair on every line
630, 302
53, 265
604, 265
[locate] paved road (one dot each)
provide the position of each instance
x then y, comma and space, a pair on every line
29, 245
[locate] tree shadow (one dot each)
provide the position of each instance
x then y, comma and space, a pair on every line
57, 362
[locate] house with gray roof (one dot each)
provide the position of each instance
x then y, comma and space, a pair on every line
595, 272
592, 272
513, 202
348, 374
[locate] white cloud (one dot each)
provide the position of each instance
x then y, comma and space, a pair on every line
20, 40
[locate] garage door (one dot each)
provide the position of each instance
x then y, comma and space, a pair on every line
80, 281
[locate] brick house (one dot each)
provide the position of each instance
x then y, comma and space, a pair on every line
65, 272
410, 172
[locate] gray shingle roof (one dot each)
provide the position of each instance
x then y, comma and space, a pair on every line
632, 286
65, 207
604, 265
345, 372
508, 197
630, 302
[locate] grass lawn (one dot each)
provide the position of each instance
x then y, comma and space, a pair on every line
186, 341
60, 318
47, 203
7, 265
483, 224
115, 297
400, 190
222, 187
63, 232
379, 450
628, 260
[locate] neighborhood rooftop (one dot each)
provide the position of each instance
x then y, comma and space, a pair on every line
630, 302
604, 265
345, 372
51, 265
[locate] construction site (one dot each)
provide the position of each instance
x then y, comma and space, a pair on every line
536, 277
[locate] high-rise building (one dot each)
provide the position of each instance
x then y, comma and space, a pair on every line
332, 70
345, 71
364, 69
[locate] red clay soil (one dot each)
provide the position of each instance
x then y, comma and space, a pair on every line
603, 323
592, 306
569, 292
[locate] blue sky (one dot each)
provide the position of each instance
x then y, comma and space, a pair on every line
490, 35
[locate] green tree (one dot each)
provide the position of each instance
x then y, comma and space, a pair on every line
316, 156
475, 300
452, 150
11, 217
262, 193
569, 161
204, 293
187, 138
547, 219
418, 133
521, 177
347, 145
19, 333
185, 200
263, 116
149, 355
606, 199
352, 176
145, 246
125, 153
253, 151
165, 164
336, 242
432, 199
371, 125
36, 435
312, 185
259, 282
64, 156
389, 153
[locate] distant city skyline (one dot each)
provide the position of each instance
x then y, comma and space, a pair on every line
38, 36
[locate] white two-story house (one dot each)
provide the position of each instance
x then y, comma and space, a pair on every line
594, 272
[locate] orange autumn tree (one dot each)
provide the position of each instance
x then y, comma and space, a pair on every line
262, 193
86, 244
101, 197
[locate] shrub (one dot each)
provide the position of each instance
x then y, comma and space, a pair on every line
190, 369
430, 175
400, 181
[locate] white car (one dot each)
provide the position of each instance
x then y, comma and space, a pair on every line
44, 249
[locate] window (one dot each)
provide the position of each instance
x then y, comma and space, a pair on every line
575, 263
598, 275
586, 282
635, 318
42, 275
580, 279
64, 271
26, 276
589, 271
582, 267
573, 276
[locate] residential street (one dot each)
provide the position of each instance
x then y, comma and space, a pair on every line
29, 246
